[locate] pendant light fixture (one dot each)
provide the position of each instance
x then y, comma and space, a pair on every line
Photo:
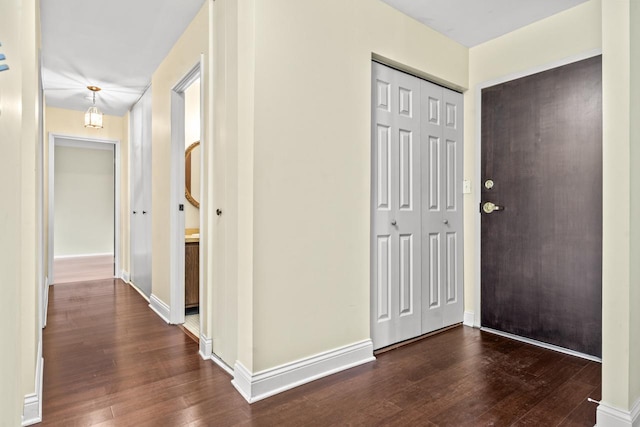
93, 116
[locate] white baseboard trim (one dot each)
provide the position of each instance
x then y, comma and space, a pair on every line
543, 345
610, 416
263, 384
137, 289
221, 364
206, 347
124, 275
159, 307
32, 409
82, 255
468, 318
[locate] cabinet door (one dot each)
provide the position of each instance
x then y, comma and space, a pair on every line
191, 274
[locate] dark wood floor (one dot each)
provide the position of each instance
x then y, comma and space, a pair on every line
109, 360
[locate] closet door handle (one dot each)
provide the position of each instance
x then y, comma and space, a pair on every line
144, 212
135, 212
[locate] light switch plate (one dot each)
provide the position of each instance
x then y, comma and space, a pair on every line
466, 186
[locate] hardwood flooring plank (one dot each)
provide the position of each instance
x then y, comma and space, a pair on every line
111, 361
591, 374
553, 409
531, 393
585, 413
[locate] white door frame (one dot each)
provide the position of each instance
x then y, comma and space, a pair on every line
93, 143
43, 280
176, 234
477, 191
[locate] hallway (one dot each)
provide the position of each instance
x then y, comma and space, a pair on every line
109, 360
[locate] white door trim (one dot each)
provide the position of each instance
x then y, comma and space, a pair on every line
176, 233
201, 260
478, 139
83, 142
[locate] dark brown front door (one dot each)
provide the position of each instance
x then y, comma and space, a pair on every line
541, 268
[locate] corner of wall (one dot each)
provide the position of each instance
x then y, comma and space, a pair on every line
610, 416
468, 319
160, 308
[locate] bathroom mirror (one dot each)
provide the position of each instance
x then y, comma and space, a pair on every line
192, 174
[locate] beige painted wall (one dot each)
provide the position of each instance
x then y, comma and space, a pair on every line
634, 297
310, 150
191, 135
621, 214
561, 36
31, 331
634, 113
11, 32
227, 316
278, 72
84, 201
182, 57
19, 297
70, 122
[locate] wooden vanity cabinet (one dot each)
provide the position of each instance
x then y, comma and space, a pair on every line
191, 274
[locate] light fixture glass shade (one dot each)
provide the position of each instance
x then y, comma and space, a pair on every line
93, 118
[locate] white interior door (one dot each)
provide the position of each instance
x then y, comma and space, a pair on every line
396, 207
140, 162
416, 268
441, 165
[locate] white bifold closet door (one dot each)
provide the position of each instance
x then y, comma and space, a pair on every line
416, 264
140, 172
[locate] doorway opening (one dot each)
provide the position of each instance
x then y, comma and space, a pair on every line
84, 218
186, 213
192, 176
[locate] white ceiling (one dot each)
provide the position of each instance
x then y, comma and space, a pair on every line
471, 22
115, 44
118, 44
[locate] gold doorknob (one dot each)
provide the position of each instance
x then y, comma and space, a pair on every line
489, 207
